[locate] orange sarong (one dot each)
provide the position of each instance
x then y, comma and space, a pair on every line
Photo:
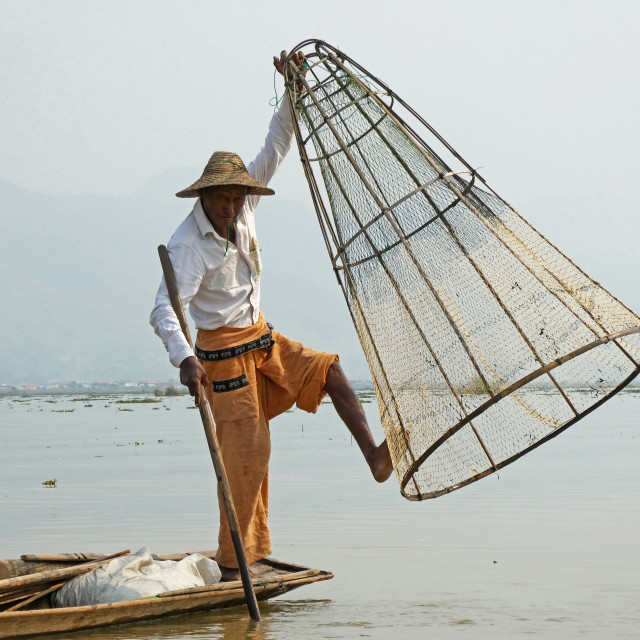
247, 391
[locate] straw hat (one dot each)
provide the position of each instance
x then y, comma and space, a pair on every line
225, 168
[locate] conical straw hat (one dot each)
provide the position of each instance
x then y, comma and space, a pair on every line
225, 168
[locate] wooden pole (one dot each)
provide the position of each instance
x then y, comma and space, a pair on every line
37, 596
63, 557
212, 440
33, 579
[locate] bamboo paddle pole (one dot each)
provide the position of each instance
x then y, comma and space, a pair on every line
63, 557
8, 585
212, 440
36, 596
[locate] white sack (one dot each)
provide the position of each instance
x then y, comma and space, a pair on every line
136, 576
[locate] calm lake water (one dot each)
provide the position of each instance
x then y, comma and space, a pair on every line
548, 549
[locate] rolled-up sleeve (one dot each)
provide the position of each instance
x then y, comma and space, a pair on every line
189, 269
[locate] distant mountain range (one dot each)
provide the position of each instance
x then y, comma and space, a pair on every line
80, 272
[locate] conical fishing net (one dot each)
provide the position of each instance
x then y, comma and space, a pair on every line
483, 339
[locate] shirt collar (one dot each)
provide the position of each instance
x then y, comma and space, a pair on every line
204, 224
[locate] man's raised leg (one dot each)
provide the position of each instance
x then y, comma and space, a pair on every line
350, 410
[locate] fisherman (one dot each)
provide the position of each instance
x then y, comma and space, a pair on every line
251, 372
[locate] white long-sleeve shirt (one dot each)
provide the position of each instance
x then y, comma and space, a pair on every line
220, 285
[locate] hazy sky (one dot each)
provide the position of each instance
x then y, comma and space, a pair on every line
102, 97
99, 96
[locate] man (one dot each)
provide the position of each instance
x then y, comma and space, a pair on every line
250, 372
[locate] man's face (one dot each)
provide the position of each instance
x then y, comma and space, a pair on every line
222, 205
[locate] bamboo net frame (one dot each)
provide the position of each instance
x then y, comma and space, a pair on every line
483, 339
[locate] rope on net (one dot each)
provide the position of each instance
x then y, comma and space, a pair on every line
482, 338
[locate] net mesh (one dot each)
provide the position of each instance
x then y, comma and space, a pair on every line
483, 339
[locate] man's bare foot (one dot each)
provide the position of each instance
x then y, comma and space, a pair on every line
380, 463
229, 574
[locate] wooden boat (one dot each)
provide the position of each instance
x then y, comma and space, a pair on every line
37, 617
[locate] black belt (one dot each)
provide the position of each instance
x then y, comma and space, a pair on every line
264, 342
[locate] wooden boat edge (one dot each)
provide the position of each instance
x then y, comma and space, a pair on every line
66, 619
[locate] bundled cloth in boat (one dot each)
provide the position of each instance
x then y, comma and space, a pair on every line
137, 575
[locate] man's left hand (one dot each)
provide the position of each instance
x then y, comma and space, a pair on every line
297, 58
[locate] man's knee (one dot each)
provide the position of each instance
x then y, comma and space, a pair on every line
335, 376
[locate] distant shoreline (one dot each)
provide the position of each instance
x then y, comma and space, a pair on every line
169, 387
176, 389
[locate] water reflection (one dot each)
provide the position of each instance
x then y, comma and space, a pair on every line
278, 617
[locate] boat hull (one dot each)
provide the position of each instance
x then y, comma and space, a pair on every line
273, 579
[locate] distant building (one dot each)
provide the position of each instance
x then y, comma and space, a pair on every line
26, 386
102, 385
151, 384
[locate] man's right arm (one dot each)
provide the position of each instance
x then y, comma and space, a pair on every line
189, 269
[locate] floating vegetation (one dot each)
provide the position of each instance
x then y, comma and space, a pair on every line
169, 391
88, 405
62, 410
139, 444
138, 401
191, 407
160, 441
50, 483
121, 409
